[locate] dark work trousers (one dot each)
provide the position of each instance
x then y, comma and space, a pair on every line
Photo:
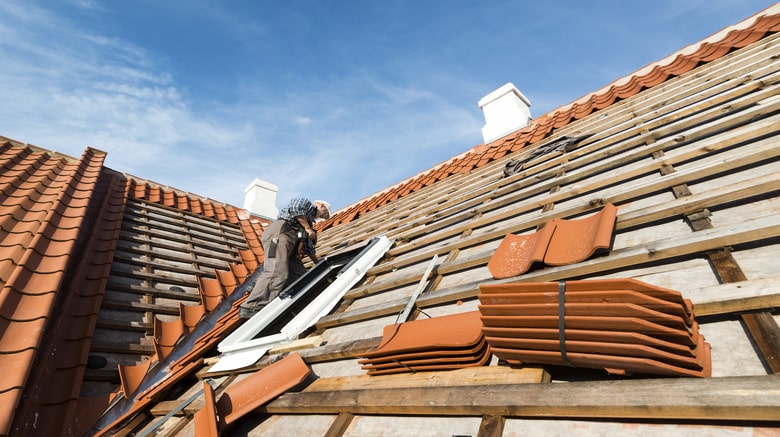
281, 266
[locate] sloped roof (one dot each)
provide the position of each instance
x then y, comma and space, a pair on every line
685, 60
54, 272
60, 218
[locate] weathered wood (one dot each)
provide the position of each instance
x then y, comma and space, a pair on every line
105, 375
699, 242
579, 180
470, 376
718, 79
141, 307
491, 426
711, 399
124, 325
122, 348
761, 150
156, 292
296, 345
632, 217
340, 425
129, 240
332, 352
737, 305
766, 334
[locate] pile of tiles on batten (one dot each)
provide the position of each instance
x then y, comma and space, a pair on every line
624, 326
438, 343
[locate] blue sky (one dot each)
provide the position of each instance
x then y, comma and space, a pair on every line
332, 100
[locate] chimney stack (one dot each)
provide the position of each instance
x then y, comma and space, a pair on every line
506, 110
260, 198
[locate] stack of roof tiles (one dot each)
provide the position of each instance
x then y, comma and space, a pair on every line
440, 343
621, 325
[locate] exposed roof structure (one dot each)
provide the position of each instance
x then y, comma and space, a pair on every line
116, 291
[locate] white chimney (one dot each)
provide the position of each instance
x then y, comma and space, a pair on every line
506, 110
260, 198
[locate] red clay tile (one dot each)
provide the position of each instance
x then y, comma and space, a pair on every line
469, 350
131, 376
584, 309
576, 240
528, 322
516, 253
612, 363
438, 357
516, 336
166, 335
262, 386
481, 361
242, 397
191, 315
451, 331
440, 343
206, 419
505, 327
228, 281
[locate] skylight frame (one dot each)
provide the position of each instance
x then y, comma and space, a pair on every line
241, 349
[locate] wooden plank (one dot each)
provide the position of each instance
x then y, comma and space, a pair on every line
104, 375
226, 255
753, 229
610, 171
186, 281
188, 269
765, 149
203, 260
570, 163
737, 305
420, 287
491, 426
761, 150
340, 425
714, 79
296, 345
628, 218
337, 351
123, 325
710, 399
766, 335
174, 235
140, 307
471, 376
114, 285
121, 348
145, 208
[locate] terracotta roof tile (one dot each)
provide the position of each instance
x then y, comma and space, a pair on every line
34, 262
191, 315
516, 253
520, 321
577, 240
34, 269
45, 205
166, 334
206, 419
132, 376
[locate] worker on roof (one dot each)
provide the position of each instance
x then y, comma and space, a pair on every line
286, 240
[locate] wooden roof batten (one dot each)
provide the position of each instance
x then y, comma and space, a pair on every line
686, 150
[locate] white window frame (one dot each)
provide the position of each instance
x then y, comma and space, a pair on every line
240, 349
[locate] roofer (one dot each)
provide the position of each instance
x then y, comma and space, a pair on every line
286, 240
